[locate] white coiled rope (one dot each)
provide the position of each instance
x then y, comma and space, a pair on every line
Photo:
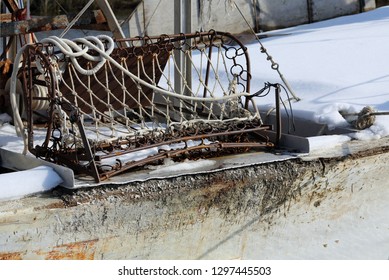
19, 127
72, 50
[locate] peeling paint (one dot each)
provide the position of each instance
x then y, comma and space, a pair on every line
83, 250
11, 256
204, 216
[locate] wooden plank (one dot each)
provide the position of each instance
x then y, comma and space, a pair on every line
89, 17
99, 16
5, 17
91, 20
33, 25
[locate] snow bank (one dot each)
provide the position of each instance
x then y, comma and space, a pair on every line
325, 142
18, 184
338, 64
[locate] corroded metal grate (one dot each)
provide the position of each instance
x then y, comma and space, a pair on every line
108, 109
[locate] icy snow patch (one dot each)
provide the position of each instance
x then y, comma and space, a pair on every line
18, 184
325, 142
184, 166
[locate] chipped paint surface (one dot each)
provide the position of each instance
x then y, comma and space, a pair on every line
11, 256
233, 214
83, 250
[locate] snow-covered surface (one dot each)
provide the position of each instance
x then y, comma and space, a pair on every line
339, 64
171, 167
17, 185
8, 138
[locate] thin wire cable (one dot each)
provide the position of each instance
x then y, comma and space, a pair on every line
76, 18
274, 65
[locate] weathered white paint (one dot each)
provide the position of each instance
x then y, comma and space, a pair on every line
157, 17
334, 8
281, 13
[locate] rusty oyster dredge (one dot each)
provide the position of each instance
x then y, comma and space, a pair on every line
168, 146
102, 106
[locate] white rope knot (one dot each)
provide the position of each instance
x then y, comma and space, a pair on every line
80, 47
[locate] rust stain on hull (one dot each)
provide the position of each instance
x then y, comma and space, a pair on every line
11, 256
221, 215
84, 250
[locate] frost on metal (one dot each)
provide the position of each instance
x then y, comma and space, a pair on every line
108, 107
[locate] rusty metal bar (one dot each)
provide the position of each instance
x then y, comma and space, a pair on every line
33, 25
176, 153
187, 138
88, 151
5, 17
278, 114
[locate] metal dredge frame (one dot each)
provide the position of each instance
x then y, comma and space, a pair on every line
215, 117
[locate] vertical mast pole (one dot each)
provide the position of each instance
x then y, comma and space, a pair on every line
182, 24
